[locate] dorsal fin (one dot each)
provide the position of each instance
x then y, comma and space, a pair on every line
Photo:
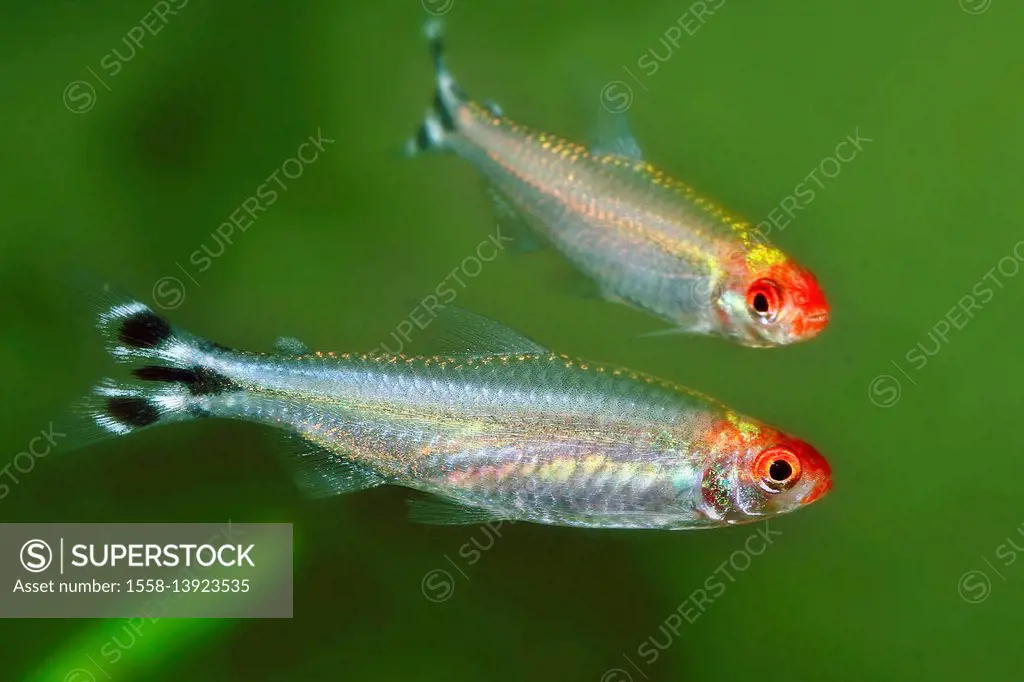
612, 136
460, 332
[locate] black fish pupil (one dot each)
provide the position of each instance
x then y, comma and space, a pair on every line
761, 303
780, 470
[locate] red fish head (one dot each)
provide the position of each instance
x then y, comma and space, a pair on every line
790, 473
774, 475
769, 300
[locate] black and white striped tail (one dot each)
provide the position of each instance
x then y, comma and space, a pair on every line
439, 122
169, 371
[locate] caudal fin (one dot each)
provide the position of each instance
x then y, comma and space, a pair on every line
167, 371
439, 122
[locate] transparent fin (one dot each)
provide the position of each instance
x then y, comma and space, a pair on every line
85, 423
514, 225
289, 345
155, 369
117, 408
442, 512
612, 136
460, 332
320, 473
688, 318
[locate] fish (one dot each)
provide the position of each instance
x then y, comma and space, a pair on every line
485, 425
644, 238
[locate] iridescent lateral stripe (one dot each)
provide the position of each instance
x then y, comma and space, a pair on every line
558, 470
520, 142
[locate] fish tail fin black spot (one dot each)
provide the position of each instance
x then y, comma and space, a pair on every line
131, 329
171, 374
439, 123
118, 408
132, 412
197, 380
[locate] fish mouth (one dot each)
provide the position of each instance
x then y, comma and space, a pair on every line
812, 323
818, 491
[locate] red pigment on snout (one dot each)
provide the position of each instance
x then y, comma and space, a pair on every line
802, 292
813, 465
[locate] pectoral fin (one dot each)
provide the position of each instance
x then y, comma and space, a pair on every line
513, 223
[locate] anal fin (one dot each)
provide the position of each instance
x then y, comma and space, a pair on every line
443, 512
321, 473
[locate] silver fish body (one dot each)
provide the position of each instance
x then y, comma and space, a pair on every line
509, 430
645, 239
530, 437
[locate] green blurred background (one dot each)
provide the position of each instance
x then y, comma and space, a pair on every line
867, 584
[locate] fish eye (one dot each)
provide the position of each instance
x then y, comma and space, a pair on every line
777, 469
764, 299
